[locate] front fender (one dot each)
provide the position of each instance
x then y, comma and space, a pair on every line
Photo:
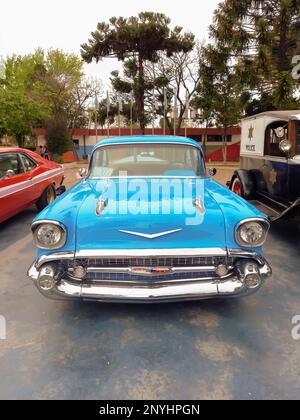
65, 210
234, 209
247, 181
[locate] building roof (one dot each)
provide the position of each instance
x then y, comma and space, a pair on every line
147, 139
281, 115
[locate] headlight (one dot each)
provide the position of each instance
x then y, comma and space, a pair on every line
252, 232
49, 235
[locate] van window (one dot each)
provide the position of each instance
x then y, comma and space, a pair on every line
275, 133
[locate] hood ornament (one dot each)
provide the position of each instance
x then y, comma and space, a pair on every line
155, 236
151, 271
101, 205
198, 203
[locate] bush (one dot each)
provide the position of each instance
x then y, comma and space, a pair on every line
57, 136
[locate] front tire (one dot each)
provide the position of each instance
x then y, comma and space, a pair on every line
237, 187
47, 198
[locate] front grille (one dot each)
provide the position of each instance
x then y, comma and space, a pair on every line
127, 277
100, 275
157, 262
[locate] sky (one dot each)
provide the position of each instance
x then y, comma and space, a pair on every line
26, 25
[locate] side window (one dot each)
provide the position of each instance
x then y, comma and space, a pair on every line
10, 165
275, 133
28, 163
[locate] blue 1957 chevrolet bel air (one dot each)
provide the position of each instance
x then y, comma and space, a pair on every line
146, 224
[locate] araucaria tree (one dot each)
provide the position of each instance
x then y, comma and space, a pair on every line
261, 37
135, 41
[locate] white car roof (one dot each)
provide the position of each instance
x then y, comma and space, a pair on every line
281, 115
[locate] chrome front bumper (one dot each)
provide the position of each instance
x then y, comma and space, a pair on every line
188, 287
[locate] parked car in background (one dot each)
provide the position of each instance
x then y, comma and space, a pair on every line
147, 224
269, 173
26, 179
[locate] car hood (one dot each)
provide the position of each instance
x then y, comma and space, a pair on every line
141, 214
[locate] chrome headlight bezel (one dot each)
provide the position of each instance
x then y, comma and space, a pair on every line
262, 222
40, 223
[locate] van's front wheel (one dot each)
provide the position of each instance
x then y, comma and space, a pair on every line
237, 186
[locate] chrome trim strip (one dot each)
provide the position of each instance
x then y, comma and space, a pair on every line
154, 236
272, 199
240, 253
252, 219
129, 270
146, 177
264, 205
54, 257
158, 253
136, 143
60, 244
205, 252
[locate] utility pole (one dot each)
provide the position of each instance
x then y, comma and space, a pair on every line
108, 109
165, 109
175, 113
120, 109
131, 114
96, 118
187, 106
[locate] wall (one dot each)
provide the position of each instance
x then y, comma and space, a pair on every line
87, 139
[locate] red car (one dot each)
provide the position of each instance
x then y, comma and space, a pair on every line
26, 179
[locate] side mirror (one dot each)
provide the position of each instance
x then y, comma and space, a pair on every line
82, 173
212, 172
285, 146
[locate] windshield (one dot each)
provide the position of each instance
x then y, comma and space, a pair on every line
140, 160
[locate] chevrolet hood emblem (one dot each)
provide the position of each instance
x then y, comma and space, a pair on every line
155, 236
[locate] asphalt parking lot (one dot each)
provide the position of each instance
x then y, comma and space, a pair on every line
217, 349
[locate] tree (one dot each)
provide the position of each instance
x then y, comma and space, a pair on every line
80, 101
173, 77
134, 41
218, 95
61, 77
57, 135
22, 106
44, 86
261, 37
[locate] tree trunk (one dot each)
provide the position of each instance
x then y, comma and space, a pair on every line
225, 144
179, 121
170, 125
140, 99
20, 140
283, 62
204, 140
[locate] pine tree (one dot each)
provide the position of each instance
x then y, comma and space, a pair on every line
261, 38
136, 40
